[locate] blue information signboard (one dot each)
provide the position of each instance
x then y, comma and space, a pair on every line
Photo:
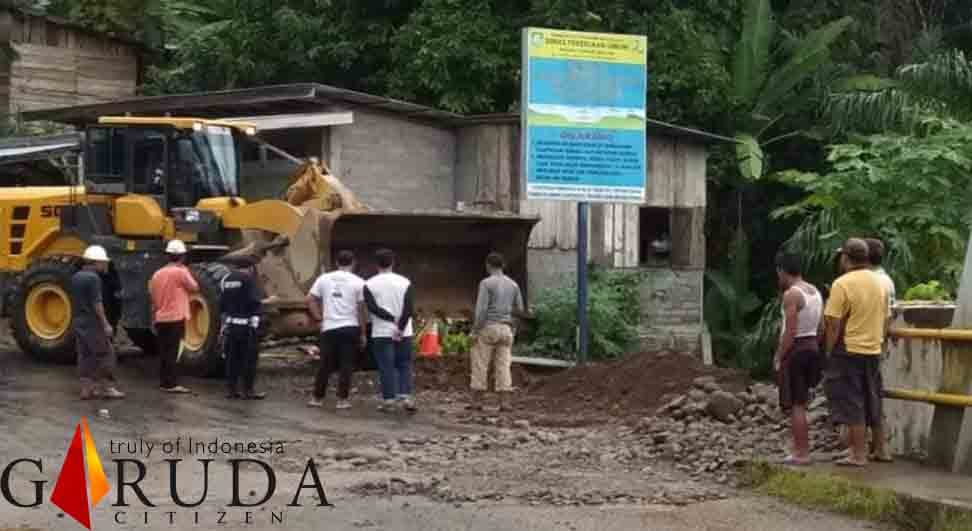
584, 116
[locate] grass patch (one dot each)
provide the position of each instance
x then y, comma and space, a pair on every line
821, 491
954, 522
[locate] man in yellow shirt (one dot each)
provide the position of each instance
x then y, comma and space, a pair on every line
855, 319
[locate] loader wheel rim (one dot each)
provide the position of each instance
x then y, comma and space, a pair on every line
48, 311
197, 329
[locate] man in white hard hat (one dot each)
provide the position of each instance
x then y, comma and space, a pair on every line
93, 332
170, 288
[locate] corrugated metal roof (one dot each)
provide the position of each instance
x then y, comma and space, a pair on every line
13, 152
36, 148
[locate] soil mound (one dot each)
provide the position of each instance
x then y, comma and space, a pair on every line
450, 373
633, 386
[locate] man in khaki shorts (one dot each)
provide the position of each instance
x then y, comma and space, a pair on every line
499, 299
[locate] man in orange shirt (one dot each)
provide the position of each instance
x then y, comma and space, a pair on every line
170, 288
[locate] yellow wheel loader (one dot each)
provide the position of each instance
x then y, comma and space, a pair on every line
140, 181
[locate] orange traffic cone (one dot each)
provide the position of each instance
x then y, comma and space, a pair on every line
429, 346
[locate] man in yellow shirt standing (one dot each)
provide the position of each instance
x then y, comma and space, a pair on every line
855, 319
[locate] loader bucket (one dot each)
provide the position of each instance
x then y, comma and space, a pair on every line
442, 253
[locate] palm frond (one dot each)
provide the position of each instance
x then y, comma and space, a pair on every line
891, 109
816, 238
942, 85
946, 78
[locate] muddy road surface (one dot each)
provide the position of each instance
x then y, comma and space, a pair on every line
169, 462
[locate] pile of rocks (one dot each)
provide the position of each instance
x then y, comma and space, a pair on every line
710, 431
526, 464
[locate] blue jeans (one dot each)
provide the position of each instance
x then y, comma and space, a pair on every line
394, 366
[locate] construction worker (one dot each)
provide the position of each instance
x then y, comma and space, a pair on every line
337, 301
388, 296
241, 303
170, 289
498, 301
93, 332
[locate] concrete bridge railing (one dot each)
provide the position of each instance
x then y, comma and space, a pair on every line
928, 381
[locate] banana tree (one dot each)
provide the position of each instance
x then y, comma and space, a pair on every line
761, 91
729, 300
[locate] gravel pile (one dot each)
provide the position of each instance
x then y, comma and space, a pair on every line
709, 431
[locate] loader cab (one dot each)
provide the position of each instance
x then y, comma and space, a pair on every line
176, 161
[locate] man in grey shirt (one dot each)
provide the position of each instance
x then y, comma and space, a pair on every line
499, 300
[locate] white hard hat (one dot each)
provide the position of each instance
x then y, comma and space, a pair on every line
175, 247
96, 253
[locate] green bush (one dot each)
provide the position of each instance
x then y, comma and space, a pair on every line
927, 291
456, 343
613, 310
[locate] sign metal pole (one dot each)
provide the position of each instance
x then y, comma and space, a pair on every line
583, 207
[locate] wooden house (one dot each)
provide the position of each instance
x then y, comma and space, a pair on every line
50, 62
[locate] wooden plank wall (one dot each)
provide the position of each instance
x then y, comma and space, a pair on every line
488, 168
676, 178
676, 173
60, 66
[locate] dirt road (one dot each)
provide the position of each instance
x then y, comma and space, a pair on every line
377, 471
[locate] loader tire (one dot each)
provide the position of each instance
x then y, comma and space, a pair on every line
40, 310
201, 355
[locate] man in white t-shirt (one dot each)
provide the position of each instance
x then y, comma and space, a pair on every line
875, 256
388, 297
337, 301
875, 252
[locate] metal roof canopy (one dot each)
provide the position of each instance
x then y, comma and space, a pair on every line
295, 121
303, 99
37, 148
300, 98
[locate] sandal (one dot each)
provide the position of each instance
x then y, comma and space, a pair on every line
847, 461
880, 458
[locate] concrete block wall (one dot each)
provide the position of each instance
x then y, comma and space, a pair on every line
393, 163
671, 300
671, 310
549, 269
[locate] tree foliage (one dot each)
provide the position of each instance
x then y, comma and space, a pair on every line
910, 190
785, 77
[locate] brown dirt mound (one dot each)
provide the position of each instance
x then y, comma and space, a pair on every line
632, 387
451, 373
622, 390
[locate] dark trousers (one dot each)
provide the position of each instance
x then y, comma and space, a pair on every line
242, 351
168, 336
338, 352
394, 366
96, 356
